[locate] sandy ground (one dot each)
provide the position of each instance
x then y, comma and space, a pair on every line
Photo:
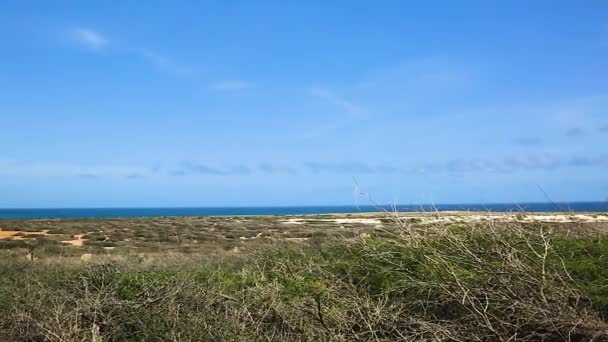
290, 227
19, 235
77, 241
337, 220
439, 217
509, 217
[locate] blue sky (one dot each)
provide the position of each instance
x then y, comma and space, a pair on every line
216, 103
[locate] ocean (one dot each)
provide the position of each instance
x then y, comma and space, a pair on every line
50, 213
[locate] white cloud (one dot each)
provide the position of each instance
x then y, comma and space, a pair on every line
230, 85
90, 38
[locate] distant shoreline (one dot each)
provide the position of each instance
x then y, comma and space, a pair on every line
101, 213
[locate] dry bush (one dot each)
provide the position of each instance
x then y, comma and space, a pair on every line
441, 282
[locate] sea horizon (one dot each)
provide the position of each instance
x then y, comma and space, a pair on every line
135, 212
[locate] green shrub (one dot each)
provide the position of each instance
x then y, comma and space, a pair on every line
9, 244
453, 282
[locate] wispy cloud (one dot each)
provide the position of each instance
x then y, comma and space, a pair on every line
22, 169
346, 167
163, 62
513, 164
97, 41
532, 162
529, 141
189, 168
230, 85
89, 38
276, 169
576, 113
575, 132
430, 74
604, 129
88, 176
353, 110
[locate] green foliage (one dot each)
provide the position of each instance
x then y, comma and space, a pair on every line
10, 244
131, 285
586, 260
448, 284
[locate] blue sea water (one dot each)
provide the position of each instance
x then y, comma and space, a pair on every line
287, 210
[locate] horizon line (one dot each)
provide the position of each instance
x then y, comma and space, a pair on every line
312, 205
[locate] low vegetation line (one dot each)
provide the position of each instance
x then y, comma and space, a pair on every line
394, 279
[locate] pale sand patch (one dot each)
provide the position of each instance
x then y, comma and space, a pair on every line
293, 221
337, 220
506, 217
357, 220
568, 218
78, 240
296, 239
249, 238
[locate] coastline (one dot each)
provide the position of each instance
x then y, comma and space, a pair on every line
89, 213
585, 215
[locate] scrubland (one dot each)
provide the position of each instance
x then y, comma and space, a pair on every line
368, 277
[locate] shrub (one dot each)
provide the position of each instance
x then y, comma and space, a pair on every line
475, 282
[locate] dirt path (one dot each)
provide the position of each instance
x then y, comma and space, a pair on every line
77, 241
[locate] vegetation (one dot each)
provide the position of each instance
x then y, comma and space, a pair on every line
173, 234
409, 281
